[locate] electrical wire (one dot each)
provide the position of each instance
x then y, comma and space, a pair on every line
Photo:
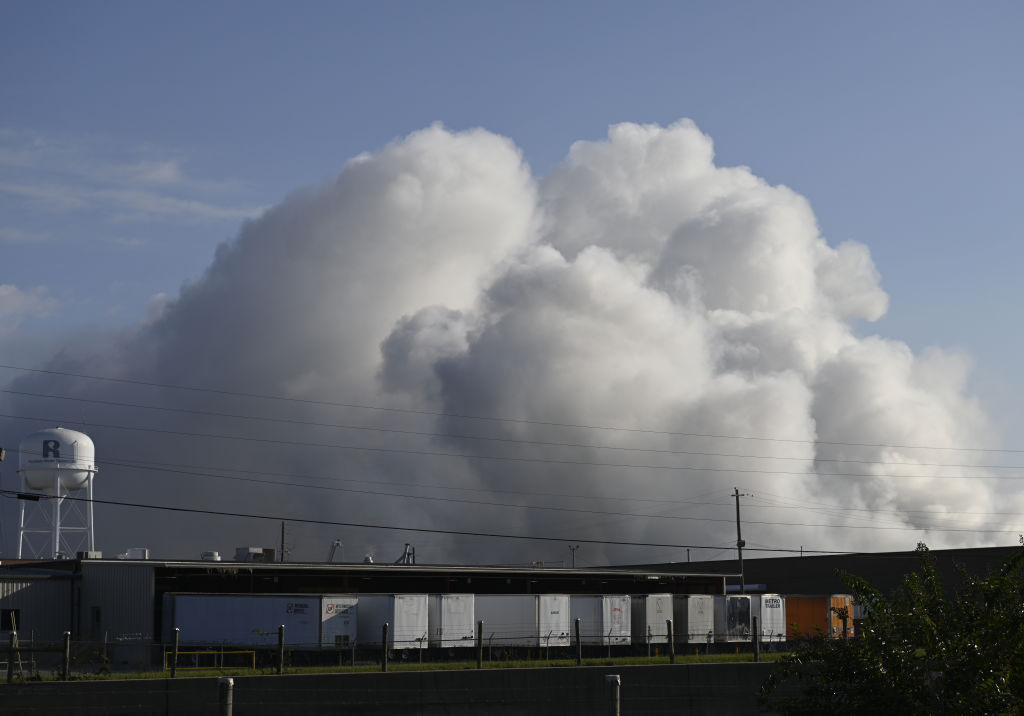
603, 513
524, 421
498, 439
193, 471
210, 472
334, 523
822, 508
797, 505
511, 458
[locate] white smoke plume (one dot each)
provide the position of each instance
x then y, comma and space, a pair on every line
601, 354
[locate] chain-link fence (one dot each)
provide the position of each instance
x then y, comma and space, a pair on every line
28, 658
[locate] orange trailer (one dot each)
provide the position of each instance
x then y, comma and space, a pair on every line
814, 615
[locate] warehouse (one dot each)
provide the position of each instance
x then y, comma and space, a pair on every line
116, 606
822, 574
117, 603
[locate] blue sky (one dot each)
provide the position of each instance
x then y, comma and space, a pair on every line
899, 121
135, 137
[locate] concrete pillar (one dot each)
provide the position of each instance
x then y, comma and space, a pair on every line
614, 682
226, 687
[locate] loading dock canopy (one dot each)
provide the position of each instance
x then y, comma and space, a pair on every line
269, 578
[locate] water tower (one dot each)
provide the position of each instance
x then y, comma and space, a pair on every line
55, 462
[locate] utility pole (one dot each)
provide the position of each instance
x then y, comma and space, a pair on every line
573, 548
3, 542
739, 539
282, 540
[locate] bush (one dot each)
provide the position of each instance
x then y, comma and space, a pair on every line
917, 652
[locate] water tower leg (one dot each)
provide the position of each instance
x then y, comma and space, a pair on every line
56, 515
92, 537
21, 519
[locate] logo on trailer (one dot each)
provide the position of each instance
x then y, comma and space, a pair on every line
51, 448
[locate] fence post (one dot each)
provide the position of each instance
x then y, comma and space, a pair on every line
579, 644
757, 640
280, 649
480, 644
384, 648
227, 695
174, 653
614, 682
671, 642
10, 656
67, 656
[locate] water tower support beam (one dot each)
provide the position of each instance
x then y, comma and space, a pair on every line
58, 501
21, 518
92, 537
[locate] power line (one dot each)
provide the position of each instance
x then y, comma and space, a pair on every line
498, 439
191, 470
564, 509
512, 458
825, 507
483, 503
846, 512
359, 406
334, 523
576, 510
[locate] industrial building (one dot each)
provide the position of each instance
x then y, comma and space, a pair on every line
823, 574
119, 602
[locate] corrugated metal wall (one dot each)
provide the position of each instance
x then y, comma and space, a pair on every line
117, 602
43, 606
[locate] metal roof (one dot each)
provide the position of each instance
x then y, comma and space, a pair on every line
377, 568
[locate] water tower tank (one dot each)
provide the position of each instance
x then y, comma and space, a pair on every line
56, 455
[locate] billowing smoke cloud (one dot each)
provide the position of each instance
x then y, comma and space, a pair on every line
600, 354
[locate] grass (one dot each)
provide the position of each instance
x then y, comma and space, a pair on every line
399, 666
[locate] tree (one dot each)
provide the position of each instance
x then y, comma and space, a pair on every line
919, 651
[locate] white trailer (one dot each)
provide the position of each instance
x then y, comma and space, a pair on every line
243, 619
405, 615
732, 618
524, 619
338, 620
649, 616
604, 618
694, 619
770, 610
451, 618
